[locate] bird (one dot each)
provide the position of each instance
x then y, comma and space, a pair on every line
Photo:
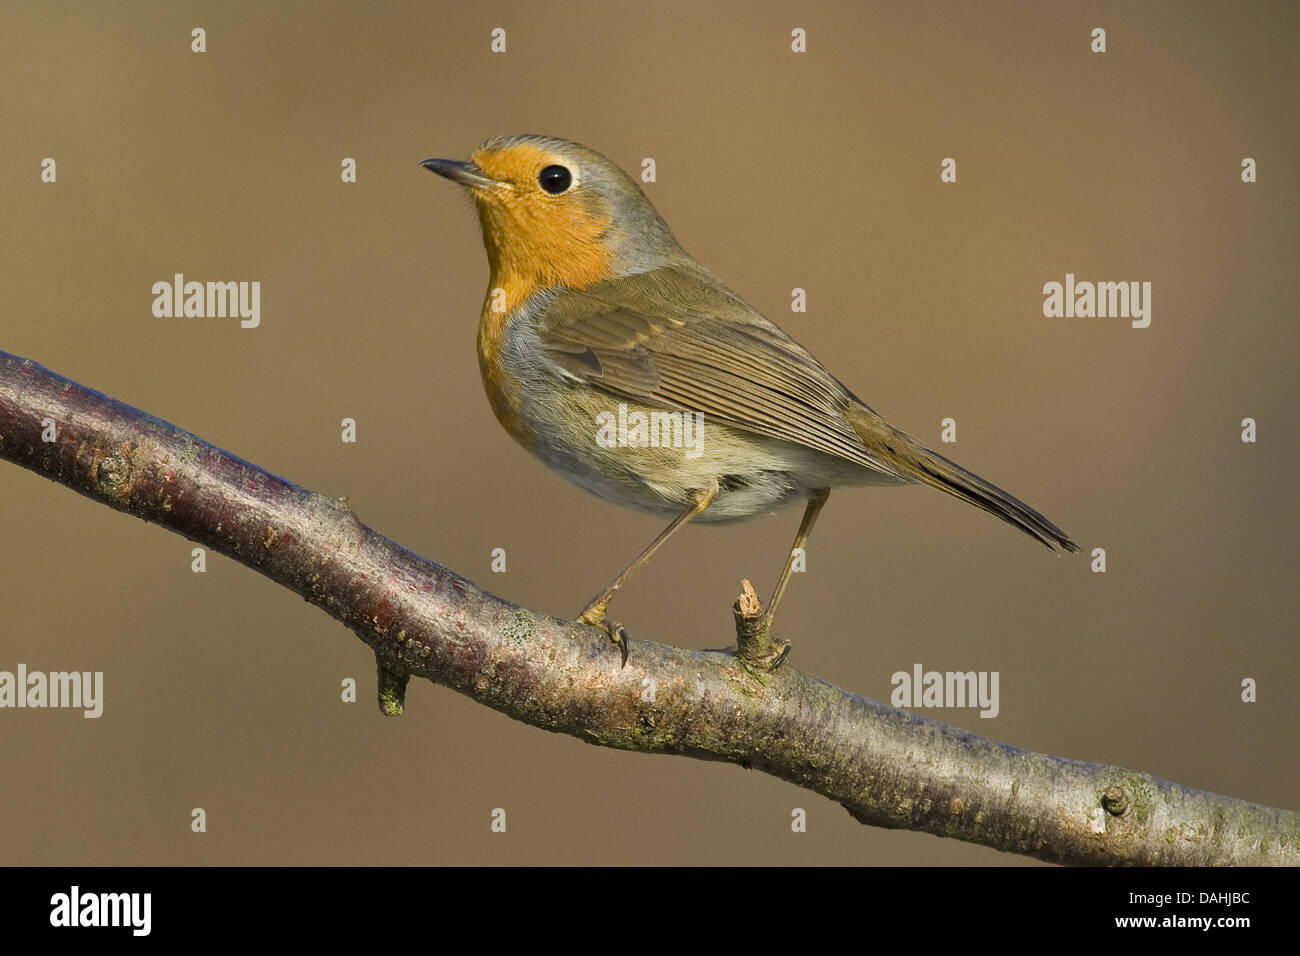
595, 316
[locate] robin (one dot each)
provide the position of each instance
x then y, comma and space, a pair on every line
597, 325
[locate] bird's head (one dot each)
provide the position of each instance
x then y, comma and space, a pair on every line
557, 214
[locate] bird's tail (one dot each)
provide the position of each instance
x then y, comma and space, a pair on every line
913, 461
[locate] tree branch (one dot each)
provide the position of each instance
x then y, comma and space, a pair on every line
887, 767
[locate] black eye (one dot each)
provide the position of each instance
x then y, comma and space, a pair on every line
555, 179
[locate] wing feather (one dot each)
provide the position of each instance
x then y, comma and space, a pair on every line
679, 338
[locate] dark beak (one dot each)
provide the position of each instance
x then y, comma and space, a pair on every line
466, 174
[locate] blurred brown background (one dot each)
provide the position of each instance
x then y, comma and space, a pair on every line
776, 170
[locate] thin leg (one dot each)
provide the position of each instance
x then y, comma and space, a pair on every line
815, 503
594, 612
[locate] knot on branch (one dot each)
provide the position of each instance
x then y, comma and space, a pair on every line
1115, 801
756, 650
392, 687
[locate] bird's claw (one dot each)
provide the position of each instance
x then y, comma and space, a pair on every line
619, 636
595, 616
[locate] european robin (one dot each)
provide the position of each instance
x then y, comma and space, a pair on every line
595, 315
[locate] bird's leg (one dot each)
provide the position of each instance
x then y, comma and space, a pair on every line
594, 612
815, 502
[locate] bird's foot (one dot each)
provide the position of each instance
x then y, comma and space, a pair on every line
595, 616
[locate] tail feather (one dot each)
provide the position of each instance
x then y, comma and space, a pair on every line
911, 460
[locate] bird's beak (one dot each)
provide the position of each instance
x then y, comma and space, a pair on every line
466, 174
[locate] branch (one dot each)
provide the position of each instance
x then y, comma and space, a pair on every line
887, 767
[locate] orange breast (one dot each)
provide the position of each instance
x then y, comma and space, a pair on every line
517, 275
504, 391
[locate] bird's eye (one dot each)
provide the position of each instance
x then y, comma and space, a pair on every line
555, 179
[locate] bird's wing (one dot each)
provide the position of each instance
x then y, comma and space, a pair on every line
677, 338
680, 339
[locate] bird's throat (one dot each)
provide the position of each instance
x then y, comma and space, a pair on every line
530, 254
